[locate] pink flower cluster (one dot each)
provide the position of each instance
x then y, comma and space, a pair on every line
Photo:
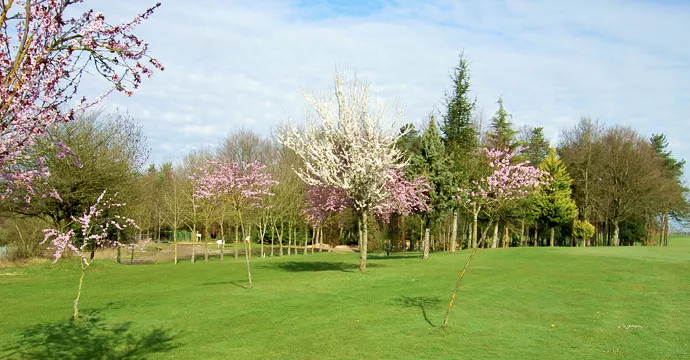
43, 56
324, 201
506, 182
237, 182
94, 230
403, 197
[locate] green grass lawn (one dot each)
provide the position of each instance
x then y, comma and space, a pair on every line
518, 303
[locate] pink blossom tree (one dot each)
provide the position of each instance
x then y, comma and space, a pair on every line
43, 57
322, 202
95, 225
506, 182
401, 196
239, 185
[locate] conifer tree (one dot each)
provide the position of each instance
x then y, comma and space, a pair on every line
555, 203
460, 138
502, 134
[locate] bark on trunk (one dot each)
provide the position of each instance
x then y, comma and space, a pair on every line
237, 241
193, 244
522, 233
175, 245
247, 251
119, 258
616, 233
427, 233
494, 239
506, 235
536, 234
454, 232
552, 237
280, 240
363, 245
475, 215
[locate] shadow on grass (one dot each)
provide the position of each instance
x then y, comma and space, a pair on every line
313, 266
88, 338
225, 283
422, 302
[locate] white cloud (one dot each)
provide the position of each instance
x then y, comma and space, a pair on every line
234, 63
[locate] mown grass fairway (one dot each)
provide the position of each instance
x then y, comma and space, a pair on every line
517, 303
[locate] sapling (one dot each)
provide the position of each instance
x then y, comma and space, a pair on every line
93, 232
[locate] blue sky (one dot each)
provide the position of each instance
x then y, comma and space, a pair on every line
242, 63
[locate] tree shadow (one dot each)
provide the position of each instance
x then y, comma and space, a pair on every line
422, 302
314, 266
88, 338
225, 283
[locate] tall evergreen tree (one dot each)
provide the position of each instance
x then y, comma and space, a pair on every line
437, 170
556, 206
502, 134
461, 138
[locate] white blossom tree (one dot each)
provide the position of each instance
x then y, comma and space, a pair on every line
350, 145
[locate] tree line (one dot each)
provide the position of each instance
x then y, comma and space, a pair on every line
452, 181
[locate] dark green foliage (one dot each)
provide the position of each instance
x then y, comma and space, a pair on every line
673, 169
437, 169
459, 134
502, 134
537, 146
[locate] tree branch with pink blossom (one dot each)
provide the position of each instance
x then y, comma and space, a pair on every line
94, 228
43, 57
505, 183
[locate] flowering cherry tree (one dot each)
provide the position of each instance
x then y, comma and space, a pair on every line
347, 145
405, 196
43, 57
506, 182
239, 185
95, 225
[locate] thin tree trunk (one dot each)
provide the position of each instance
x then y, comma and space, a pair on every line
131, 257
222, 239
666, 230
289, 237
81, 282
273, 236
475, 222
494, 239
616, 233
280, 240
454, 232
536, 234
506, 235
119, 258
306, 238
319, 238
363, 247
175, 245
263, 254
457, 286
552, 237
237, 237
193, 244
247, 251
427, 234
314, 235
522, 233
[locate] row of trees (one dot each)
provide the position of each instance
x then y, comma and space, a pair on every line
453, 181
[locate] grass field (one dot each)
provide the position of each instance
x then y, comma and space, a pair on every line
518, 303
